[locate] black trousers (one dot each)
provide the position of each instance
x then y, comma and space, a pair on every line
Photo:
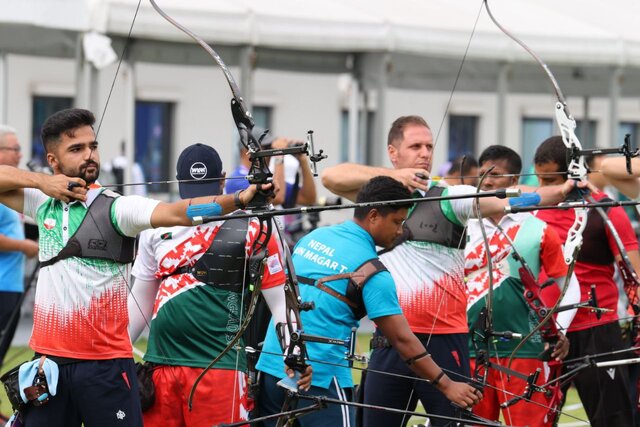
605, 392
449, 351
93, 393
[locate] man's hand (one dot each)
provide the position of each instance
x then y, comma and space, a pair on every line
570, 184
304, 383
459, 393
561, 349
61, 187
412, 178
249, 193
29, 248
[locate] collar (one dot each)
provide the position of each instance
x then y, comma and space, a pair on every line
94, 190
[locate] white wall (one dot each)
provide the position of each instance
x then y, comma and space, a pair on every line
300, 101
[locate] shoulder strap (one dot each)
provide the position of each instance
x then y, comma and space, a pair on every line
357, 280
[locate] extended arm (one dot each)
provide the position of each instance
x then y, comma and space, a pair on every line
615, 169
549, 195
396, 329
26, 246
13, 181
171, 214
346, 179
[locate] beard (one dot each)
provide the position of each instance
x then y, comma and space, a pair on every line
82, 172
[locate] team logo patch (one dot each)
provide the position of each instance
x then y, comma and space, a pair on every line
49, 223
198, 170
166, 236
273, 264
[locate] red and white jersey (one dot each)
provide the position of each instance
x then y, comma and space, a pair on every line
430, 277
80, 309
589, 273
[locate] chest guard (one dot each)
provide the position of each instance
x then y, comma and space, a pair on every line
97, 237
594, 249
427, 223
223, 264
355, 284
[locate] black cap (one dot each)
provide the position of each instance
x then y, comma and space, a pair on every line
199, 162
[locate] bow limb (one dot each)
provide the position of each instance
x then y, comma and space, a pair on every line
486, 319
290, 333
577, 168
551, 311
629, 276
256, 269
259, 174
548, 330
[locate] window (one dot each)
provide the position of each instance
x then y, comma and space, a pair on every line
463, 135
262, 116
154, 142
587, 137
534, 132
364, 138
42, 108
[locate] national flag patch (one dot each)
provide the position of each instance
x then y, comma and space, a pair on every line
166, 236
49, 223
273, 264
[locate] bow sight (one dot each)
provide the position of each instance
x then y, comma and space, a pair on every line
574, 152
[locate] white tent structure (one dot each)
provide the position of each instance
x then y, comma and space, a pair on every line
394, 57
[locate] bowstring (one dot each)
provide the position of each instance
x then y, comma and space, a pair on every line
417, 379
115, 76
120, 271
435, 144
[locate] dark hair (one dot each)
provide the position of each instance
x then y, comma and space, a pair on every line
464, 164
552, 150
378, 189
396, 133
64, 122
499, 152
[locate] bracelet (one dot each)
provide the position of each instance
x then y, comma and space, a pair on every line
413, 359
437, 379
237, 201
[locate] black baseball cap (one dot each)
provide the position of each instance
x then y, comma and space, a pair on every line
199, 162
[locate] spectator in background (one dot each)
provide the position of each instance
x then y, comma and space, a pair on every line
13, 248
116, 169
290, 172
463, 170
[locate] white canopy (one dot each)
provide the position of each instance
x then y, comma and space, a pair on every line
568, 31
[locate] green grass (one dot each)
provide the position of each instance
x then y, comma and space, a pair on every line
17, 355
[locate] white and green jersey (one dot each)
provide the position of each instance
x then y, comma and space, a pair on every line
192, 321
541, 248
80, 307
429, 276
